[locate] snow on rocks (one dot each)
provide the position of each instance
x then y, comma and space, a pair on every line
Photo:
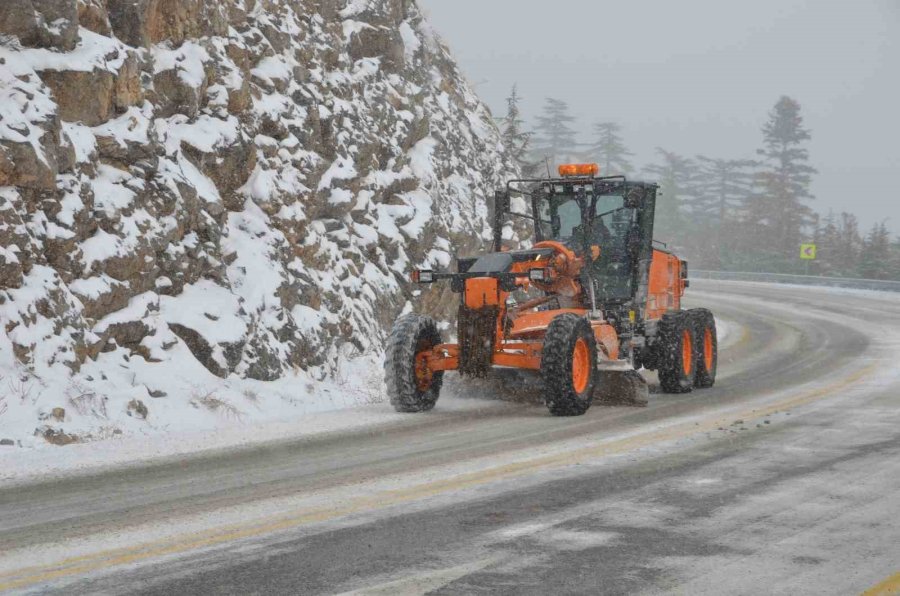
206, 217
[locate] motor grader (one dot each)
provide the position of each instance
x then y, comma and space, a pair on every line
593, 300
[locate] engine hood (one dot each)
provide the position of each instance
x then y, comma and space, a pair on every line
499, 262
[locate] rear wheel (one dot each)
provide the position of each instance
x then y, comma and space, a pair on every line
707, 348
569, 365
411, 385
677, 355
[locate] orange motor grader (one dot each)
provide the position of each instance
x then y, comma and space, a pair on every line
593, 300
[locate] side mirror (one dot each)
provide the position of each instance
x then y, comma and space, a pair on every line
556, 222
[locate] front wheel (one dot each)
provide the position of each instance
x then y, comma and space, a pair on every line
569, 365
411, 385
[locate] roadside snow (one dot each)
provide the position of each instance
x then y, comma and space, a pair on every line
18, 466
187, 409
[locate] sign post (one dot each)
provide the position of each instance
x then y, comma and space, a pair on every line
808, 253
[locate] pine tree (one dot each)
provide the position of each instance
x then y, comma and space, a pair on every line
849, 246
723, 188
782, 210
676, 177
875, 258
828, 240
609, 150
555, 139
516, 140
895, 260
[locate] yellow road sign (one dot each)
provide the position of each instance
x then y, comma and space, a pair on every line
808, 252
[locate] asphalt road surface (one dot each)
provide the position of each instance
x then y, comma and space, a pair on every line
783, 479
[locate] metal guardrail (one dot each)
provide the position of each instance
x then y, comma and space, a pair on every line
802, 280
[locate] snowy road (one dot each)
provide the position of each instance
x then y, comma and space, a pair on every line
784, 479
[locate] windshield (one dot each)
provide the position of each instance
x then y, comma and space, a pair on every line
566, 208
612, 221
560, 217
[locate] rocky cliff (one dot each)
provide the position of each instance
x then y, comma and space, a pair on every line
216, 203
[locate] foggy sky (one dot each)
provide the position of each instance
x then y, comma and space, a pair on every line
699, 76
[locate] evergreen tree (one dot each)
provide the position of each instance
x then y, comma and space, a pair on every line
675, 175
609, 150
555, 139
875, 258
895, 260
781, 211
722, 188
516, 140
849, 246
828, 240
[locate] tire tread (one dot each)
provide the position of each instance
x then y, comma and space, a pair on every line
556, 365
671, 372
399, 364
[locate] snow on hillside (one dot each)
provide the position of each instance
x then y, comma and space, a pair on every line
207, 214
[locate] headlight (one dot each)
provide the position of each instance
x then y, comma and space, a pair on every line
422, 276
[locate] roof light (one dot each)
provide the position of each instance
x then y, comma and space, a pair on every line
579, 169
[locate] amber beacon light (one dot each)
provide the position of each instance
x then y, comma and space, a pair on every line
579, 169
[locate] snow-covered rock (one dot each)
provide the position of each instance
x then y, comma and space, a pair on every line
202, 201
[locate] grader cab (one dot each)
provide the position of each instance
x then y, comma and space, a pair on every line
591, 301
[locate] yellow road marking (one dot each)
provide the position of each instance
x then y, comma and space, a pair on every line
123, 556
889, 587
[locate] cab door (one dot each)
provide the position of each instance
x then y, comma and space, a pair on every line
614, 227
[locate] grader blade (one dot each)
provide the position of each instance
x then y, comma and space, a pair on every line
621, 385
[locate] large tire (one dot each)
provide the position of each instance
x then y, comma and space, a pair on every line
707, 348
569, 365
676, 355
408, 391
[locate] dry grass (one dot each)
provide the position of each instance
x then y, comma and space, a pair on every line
86, 402
371, 389
21, 388
216, 405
